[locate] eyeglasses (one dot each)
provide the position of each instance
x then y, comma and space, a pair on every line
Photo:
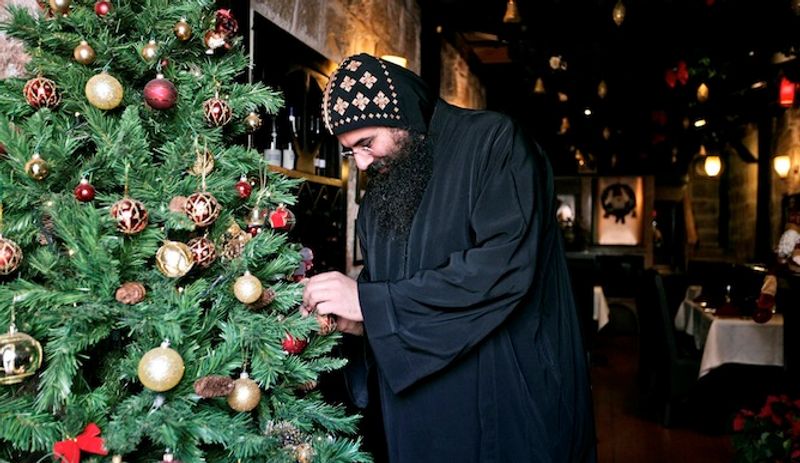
351, 152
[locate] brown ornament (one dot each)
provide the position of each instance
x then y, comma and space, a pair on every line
60, 6
203, 251
202, 208
84, 53
234, 241
182, 29
130, 214
216, 40
304, 453
36, 167
285, 432
252, 122
41, 92
131, 292
267, 296
150, 51
176, 204
213, 386
10, 256
308, 386
327, 324
217, 111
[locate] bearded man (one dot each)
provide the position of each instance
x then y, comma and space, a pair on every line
464, 305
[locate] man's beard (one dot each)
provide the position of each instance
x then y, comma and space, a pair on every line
397, 183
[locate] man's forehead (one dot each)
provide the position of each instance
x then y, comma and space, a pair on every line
352, 137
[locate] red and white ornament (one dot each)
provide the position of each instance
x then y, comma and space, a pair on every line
130, 214
41, 92
102, 8
282, 219
225, 22
215, 40
202, 208
84, 192
10, 256
217, 111
160, 93
293, 345
203, 251
243, 187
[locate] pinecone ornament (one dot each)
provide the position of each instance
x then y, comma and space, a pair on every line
213, 386
131, 292
286, 433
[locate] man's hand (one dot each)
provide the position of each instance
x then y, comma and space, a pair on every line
333, 293
349, 326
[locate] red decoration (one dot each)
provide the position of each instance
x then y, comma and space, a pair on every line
282, 219
215, 40
3, 151
130, 214
102, 8
202, 208
10, 256
41, 93
217, 111
203, 251
786, 97
160, 93
226, 23
89, 440
680, 73
243, 187
84, 192
293, 345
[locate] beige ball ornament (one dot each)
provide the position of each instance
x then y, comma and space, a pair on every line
84, 53
150, 51
245, 395
161, 369
174, 259
247, 288
104, 91
60, 6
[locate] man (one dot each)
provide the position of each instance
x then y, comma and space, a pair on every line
464, 299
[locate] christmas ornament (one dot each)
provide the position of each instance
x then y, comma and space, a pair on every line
215, 40
89, 441
104, 91
161, 369
203, 251
304, 453
174, 259
293, 345
245, 395
176, 204
282, 219
308, 386
618, 14
203, 163
285, 432
213, 386
130, 214
131, 292
233, 241
150, 51
102, 8
160, 93
267, 296
702, 93
217, 111
305, 265
327, 324
36, 167
247, 288
3, 151
84, 53
202, 208
252, 122
41, 92
182, 29
84, 192
169, 458
21, 354
60, 6
243, 187
255, 222
226, 23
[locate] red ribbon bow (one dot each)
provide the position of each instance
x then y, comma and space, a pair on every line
69, 450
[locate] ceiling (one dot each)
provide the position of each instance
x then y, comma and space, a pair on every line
652, 66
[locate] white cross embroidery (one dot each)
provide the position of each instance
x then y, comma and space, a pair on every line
368, 79
347, 83
381, 100
340, 106
353, 65
360, 101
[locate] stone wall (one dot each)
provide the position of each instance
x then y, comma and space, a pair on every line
12, 56
459, 86
339, 28
787, 141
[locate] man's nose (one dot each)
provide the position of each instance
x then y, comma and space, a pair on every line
363, 161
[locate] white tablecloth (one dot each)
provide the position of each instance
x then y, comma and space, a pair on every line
600, 311
730, 339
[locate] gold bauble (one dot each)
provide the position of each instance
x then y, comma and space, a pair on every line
36, 167
161, 369
247, 288
150, 51
252, 122
245, 395
182, 29
21, 356
304, 453
174, 259
84, 53
104, 91
60, 6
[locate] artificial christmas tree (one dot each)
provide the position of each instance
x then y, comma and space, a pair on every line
136, 329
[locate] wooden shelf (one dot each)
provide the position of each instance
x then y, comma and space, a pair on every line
337, 182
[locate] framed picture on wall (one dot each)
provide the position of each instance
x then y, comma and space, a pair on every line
619, 210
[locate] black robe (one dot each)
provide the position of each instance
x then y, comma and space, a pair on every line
471, 321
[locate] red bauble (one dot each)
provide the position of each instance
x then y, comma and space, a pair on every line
282, 219
130, 214
202, 208
102, 8
293, 345
203, 251
214, 40
243, 187
3, 151
41, 93
84, 192
226, 23
217, 111
160, 93
10, 256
